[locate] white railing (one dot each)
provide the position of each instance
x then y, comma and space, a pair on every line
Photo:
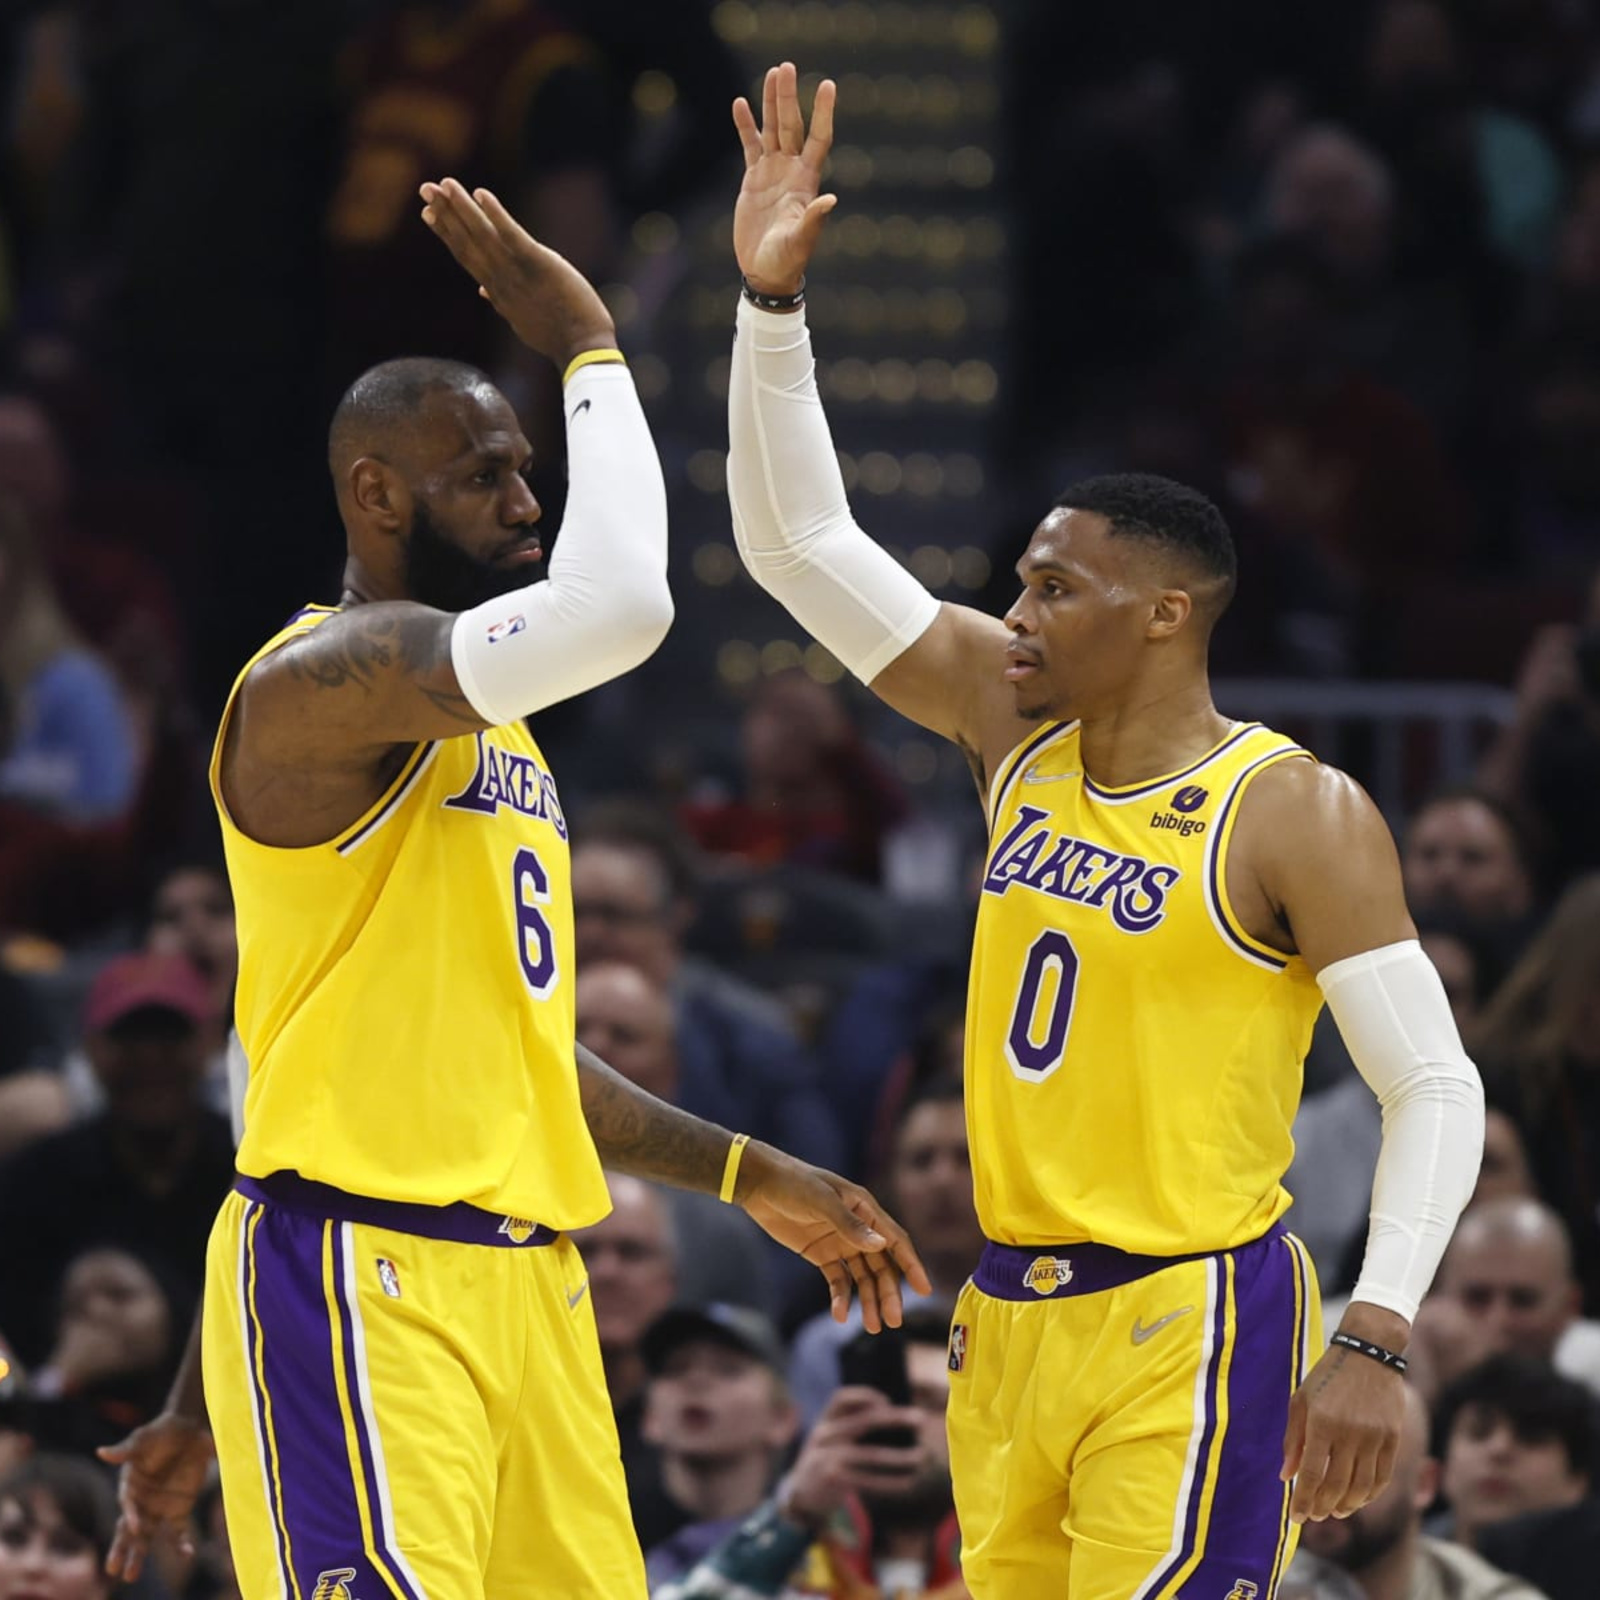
1400, 739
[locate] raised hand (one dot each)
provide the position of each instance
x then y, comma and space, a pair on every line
550, 305
838, 1227
779, 214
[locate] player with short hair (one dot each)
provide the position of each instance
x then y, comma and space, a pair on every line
400, 1354
1169, 897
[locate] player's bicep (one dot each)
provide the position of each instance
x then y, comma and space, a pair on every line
951, 682
1328, 862
376, 676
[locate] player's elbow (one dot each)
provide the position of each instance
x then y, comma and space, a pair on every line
643, 618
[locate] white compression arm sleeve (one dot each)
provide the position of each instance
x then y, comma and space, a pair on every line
605, 605
791, 519
1396, 1022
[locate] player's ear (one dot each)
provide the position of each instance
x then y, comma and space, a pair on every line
1169, 613
377, 493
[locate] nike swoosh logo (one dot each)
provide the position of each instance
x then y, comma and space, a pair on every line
583, 1289
1141, 1333
1051, 777
582, 405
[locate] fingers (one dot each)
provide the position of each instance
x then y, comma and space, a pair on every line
1324, 1476
838, 1289
744, 119
886, 1282
769, 112
1370, 1474
820, 140
126, 1555
811, 223
1294, 1440
791, 124
894, 1237
511, 231
866, 1292
116, 1453
459, 221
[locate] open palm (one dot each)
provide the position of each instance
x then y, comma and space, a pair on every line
779, 213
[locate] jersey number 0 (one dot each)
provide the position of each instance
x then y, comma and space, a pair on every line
1034, 1046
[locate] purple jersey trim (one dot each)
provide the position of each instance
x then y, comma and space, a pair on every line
1003, 1269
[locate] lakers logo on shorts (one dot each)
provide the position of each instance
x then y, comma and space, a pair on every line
1242, 1590
518, 1229
1045, 1275
334, 1584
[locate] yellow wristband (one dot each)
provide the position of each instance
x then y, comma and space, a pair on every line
730, 1173
588, 358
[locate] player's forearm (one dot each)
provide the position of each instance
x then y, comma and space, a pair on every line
1396, 1022
791, 517
187, 1398
605, 606
645, 1137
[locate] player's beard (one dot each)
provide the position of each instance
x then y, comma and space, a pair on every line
439, 573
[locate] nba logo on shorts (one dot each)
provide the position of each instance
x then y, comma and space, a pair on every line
517, 1229
1046, 1274
389, 1278
503, 630
958, 1346
334, 1584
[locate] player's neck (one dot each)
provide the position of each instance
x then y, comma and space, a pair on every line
1152, 732
713, 1487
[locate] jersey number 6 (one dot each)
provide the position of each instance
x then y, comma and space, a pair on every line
536, 945
1052, 967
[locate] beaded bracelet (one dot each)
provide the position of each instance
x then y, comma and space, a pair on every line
774, 302
1374, 1352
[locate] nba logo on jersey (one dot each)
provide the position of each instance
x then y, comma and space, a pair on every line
517, 1229
334, 1584
1046, 1274
389, 1278
1242, 1590
505, 628
958, 1346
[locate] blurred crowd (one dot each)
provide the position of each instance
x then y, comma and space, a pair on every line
1338, 265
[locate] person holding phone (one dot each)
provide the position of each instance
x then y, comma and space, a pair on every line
866, 1510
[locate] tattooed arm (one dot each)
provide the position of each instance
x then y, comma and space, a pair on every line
837, 1226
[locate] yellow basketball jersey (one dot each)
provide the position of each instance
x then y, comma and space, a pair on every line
1133, 1055
405, 990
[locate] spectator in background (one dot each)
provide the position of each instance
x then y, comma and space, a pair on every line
632, 1257
1539, 1045
1505, 1287
33, 1105
627, 1021
848, 1525
56, 1519
633, 894
191, 915
1464, 856
1513, 1437
145, 1175
1548, 759
1382, 1545
112, 1356
71, 755
1505, 1173
814, 794
719, 1413
1458, 955
930, 1176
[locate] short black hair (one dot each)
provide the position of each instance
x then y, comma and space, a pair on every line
1142, 505
936, 1091
1538, 1402
78, 1489
638, 825
386, 397
1507, 815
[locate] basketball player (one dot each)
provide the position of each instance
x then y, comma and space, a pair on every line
401, 1366
1169, 897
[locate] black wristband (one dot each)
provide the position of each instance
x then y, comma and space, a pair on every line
1374, 1352
775, 302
